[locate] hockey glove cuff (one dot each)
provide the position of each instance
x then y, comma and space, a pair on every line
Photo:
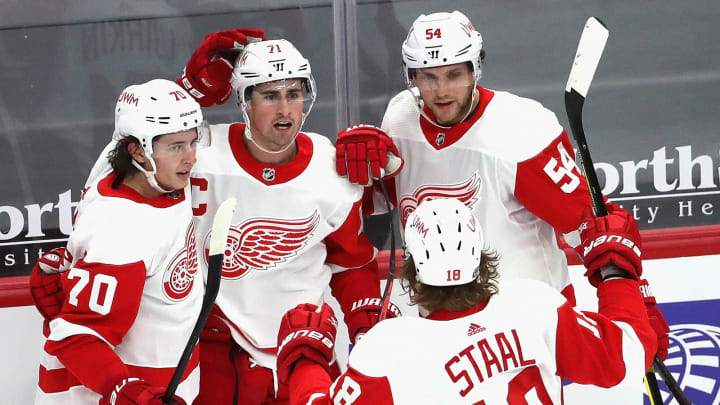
46, 282
657, 320
306, 333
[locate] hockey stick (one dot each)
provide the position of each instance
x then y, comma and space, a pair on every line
218, 240
590, 49
385, 303
652, 388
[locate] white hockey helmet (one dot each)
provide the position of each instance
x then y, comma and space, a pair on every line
441, 39
154, 108
445, 241
270, 61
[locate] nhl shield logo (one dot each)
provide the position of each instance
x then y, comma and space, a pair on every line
440, 139
268, 174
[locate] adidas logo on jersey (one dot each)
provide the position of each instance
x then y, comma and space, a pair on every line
474, 328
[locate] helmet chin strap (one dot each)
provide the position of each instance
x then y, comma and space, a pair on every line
150, 175
419, 106
248, 134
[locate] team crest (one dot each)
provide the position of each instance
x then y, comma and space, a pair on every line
467, 192
180, 274
263, 243
268, 174
440, 139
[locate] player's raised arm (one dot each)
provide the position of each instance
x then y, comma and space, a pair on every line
618, 342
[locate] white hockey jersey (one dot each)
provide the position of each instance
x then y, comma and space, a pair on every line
295, 225
498, 352
511, 162
132, 285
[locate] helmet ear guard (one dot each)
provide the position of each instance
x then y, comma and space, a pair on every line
445, 241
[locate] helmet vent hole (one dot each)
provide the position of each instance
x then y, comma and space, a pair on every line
459, 244
473, 251
439, 230
442, 247
153, 98
185, 123
444, 59
459, 228
427, 254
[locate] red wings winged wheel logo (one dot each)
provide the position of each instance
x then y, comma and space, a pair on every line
263, 243
466, 191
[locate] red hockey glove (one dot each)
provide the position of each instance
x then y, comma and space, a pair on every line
361, 153
364, 315
207, 74
306, 334
134, 391
46, 282
612, 239
657, 320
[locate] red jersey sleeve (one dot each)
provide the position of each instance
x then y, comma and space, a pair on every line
348, 247
100, 306
551, 186
355, 275
373, 199
309, 384
591, 348
103, 298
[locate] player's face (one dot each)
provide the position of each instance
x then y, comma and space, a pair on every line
275, 112
174, 155
446, 91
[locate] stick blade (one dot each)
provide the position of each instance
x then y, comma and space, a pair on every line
221, 226
589, 50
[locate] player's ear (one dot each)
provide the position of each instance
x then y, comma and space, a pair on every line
136, 152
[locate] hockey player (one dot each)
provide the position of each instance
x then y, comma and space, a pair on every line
130, 292
297, 229
504, 156
298, 226
480, 345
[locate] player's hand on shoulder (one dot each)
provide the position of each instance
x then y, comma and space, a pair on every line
657, 320
135, 391
610, 241
206, 76
365, 152
307, 332
46, 282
